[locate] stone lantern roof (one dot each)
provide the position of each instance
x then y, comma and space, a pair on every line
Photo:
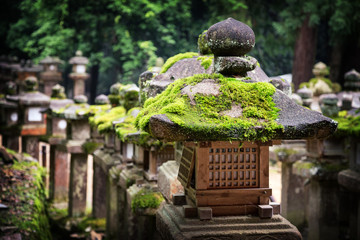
51, 60
237, 106
79, 59
31, 96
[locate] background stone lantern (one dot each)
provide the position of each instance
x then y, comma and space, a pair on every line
31, 105
24, 70
79, 74
50, 75
227, 125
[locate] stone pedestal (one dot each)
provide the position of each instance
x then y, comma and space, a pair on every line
171, 224
78, 184
103, 161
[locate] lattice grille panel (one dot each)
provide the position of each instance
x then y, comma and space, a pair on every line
166, 154
234, 167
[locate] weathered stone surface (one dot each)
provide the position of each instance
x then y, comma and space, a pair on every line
230, 38
172, 225
282, 85
167, 180
350, 180
206, 87
298, 123
184, 68
234, 65
61, 176
78, 185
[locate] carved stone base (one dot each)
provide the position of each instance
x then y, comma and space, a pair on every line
172, 225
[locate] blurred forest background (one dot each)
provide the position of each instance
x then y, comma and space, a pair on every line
122, 38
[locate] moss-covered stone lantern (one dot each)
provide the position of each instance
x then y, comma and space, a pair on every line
79, 74
51, 74
22, 71
32, 120
227, 123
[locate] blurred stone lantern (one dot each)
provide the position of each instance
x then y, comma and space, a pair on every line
352, 80
227, 124
51, 74
79, 74
30, 115
24, 70
9, 120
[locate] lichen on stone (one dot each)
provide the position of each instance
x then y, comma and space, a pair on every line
205, 118
172, 60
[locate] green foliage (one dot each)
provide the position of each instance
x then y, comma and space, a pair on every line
171, 61
343, 17
205, 118
146, 199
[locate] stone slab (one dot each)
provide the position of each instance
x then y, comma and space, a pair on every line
171, 224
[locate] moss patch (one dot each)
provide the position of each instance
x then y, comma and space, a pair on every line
127, 126
22, 190
348, 125
103, 120
257, 121
172, 60
90, 147
206, 61
146, 199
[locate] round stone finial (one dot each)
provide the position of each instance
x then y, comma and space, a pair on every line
58, 91
78, 53
230, 38
80, 99
101, 100
31, 83
320, 70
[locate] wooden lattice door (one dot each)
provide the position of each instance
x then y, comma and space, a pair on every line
231, 167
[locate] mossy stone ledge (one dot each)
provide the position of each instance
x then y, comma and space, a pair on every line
213, 107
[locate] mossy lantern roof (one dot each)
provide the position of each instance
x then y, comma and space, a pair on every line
238, 107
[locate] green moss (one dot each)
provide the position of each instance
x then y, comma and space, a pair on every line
90, 147
171, 61
304, 165
28, 205
206, 61
205, 118
94, 223
103, 120
335, 87
146, 199
92, 109
348, 125
127, 126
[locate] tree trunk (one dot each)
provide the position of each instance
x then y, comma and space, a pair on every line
94, 82
304, 54
336, 63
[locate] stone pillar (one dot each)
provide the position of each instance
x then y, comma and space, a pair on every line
78, 180
61, 175
99, 186
31, 146
113, 206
